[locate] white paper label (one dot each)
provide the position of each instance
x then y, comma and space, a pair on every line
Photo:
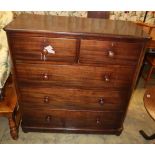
49, 49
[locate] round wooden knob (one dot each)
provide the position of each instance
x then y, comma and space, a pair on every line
111, 53
98, 121
45, 76
44, 53
101, 101
46, 99
107, 78
48, 118
148, 95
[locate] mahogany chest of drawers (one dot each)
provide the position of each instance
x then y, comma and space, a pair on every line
74, 74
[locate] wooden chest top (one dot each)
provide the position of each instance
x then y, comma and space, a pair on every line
77, 26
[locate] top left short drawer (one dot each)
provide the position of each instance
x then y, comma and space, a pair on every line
43, 49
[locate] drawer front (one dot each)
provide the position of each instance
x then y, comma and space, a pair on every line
35, 49
74, 99
106, 52
74, 76
64, 119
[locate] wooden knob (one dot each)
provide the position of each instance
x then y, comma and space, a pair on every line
111, 53
107, 78
45, 76
46, 99
98, 121
48, 118
148, 95
101, 101
44, 53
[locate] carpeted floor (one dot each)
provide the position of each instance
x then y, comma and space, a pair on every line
137, 118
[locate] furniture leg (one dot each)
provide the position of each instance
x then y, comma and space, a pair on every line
151, 137
17, 117
148, 76
13, 128
1, 94
119, 131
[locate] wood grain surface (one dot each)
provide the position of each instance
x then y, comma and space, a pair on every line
85, 87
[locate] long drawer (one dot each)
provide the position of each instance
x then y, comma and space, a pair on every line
74, 76
71, 120
76, 99
106, 52
36, 49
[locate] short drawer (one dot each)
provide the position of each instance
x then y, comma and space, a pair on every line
65, 119
106, 52
73, 99
44, 75
36, 49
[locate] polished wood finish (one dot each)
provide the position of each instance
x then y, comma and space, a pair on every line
149, 58
150, 29
86, 85
85, 27
149, 103
106, 52
151, 63
112, 77
32, 48
10, 109
72, 120
74, 99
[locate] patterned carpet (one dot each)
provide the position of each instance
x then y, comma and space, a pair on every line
137, 118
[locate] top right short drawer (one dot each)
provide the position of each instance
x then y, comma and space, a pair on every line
109, 52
